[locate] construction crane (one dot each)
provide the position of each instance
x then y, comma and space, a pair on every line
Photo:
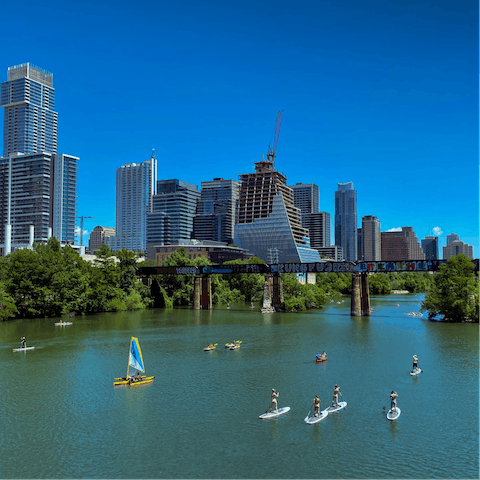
81, 228
271, 151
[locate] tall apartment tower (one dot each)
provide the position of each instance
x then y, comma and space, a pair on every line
371, 239
177, 201
306, 197
346, 220
135, 187
268, 223
30, 121
216, 210
403, 245
318, 226
430, 247
38, 187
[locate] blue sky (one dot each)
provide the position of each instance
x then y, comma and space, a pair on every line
380, 93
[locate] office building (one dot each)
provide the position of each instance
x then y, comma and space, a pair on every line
306, 197
331, 253
318, 226
430, 247
177, 200
30, 121
135, 188
268, 224
346, 220
402, 245
98, 236
216, 210
360, 252
371, 239
455, 246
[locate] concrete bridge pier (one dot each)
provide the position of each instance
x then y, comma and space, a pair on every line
202, 293
272, 293
360, 302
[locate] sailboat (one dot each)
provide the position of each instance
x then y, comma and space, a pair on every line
135, 360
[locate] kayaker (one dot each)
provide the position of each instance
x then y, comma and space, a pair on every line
316, 406
24, 342
336, 392
324, 355
393, 400
317, 356
274, 400
415, 362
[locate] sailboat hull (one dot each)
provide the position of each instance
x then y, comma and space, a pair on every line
124, 381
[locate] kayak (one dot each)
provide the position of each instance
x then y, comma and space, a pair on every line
234, 347
209, 349
316, 418
61, 324
233, 344
281, 411
392, 415
317, 360
341, 406
22, 349
416, 372
124, 381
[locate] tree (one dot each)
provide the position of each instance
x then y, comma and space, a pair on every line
454, 293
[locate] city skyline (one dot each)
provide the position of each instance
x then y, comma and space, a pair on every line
383, 95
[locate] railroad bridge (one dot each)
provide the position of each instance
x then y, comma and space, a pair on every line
273, 293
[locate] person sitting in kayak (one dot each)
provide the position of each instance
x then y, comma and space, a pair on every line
316, 406
324, 355
24, 342
415, 362
317, 356
274, 400
393, 401
336, 392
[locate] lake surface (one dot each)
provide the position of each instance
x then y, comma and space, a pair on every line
61, 417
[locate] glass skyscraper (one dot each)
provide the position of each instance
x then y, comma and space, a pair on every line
346, 220
30, 121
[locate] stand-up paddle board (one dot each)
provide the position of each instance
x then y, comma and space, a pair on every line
416, 372
392, 415
341, 406
316, 418
62, 324
268, 415
23, 349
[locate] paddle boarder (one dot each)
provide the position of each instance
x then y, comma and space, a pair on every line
316, 406
415, 362
336, 392
393, 401
24, 342
274, 400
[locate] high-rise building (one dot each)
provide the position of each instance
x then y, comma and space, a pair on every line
30, 121
371, 239
318, 226
268, 224
136, 185
346, 220
306, 197
177, 200
455, 246
430, 247
402, 245
98, 236
216, 210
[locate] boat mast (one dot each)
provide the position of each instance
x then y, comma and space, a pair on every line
128, 362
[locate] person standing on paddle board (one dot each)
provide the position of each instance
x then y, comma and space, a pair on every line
415, 362
274, 400
24, 342
393, 400
316, 406
336, 392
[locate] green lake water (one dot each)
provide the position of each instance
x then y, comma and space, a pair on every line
61, 417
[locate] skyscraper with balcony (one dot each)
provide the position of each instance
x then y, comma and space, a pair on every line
346, 220
30, 121
318, 226
371, 239
305, 197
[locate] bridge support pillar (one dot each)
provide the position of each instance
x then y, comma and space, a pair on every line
360, 303
202, 293
272, 293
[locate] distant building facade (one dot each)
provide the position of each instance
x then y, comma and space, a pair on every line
346, 220
306, 197
430, 247
318, 226
371, 239
98, 236
455, 246
402, 245
268, 223
333, 252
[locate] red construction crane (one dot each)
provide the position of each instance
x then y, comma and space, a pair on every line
271, 151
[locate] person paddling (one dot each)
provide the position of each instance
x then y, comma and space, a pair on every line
393, 401
316, 406
415, 363
274, 400
317, 356
24, 342
336, 392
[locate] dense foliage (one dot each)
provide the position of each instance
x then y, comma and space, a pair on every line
454, 293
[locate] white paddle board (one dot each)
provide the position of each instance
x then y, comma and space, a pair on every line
281, 411
61, 324
315, 419
416, 372
23, 349
341, 406
392, 415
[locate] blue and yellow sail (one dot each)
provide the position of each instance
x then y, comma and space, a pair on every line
135, 358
